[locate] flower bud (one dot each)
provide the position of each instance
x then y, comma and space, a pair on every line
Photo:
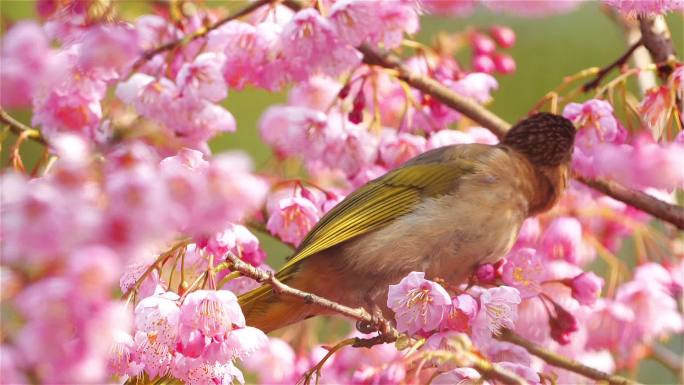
485, 273
483, 63
504, 63
504, 36
482, 44
586, 287
562, 324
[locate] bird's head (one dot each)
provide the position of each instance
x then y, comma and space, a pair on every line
545, 139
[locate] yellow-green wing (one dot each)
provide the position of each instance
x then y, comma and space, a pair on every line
383, 200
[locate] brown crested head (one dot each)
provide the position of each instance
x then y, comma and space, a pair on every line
544, 138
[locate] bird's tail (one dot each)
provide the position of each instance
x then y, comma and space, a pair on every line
268, 311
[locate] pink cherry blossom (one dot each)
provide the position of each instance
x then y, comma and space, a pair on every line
238, 240
529, 233
656, 311
476, 85
460, 314
304, 39
274, 362
499, 351
203, 77
193, 371
609, 325
318, 93
25, 54
396, 149
122, 360
213, 313
562, 239
532, 8
646, 7
464, 376
586, 287
525, 271
158, 317
354, 20
291, 129
523, 371
293, 219
418, 304
498, 309
112, 47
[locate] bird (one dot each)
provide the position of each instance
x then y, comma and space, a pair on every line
443, 212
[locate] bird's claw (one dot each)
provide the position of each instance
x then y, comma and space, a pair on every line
377, 323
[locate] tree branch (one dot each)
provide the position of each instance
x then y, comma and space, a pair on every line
20, 128
467, 106
389, 333
642, 201
657, 40
563, 362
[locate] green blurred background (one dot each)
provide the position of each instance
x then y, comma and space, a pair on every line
547, 50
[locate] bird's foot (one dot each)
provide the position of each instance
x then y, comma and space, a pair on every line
377, 323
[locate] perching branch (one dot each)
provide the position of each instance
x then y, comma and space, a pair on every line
389, 333
20, 128
563, 362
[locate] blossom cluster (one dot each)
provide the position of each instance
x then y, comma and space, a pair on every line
83, 252
130, 196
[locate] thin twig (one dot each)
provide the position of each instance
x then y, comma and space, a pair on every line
465, 357
667, 358
201, 32
606, 70
563, 362
162, 257
20, 128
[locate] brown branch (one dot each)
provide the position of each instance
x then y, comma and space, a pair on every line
389, 333
657, 40
20, 128
606, 70
201, 32
662, 210
467, 106
563, 362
